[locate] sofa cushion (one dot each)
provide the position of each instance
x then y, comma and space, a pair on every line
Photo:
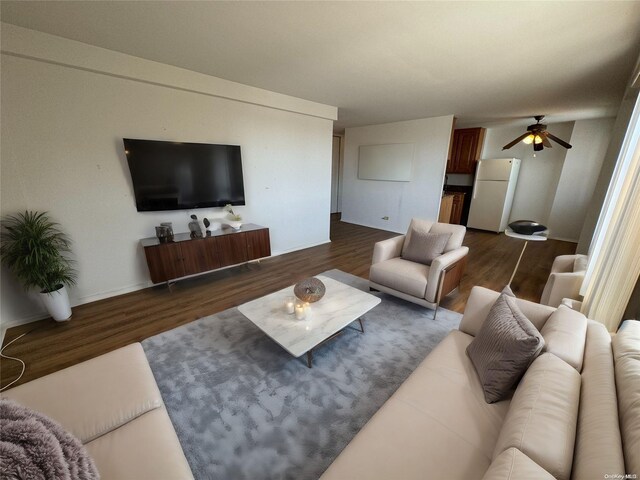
564, 335
598, 449
402, 275
437, 425
482, 299
425, 247
626, 352
503, 349
96, 396
512, 464
542, 417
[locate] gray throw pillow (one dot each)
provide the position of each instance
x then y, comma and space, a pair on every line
504, 348
425, 247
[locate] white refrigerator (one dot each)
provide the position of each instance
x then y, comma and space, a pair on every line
493, 191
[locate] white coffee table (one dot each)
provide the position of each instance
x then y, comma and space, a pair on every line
325, 319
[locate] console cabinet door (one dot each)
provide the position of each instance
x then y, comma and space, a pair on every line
199, 255
232, 248
258, 244
165, 262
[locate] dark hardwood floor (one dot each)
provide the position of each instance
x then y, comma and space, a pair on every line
106, 325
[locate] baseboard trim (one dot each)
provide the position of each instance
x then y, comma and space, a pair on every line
376, 227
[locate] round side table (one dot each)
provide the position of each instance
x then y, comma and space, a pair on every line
536, 237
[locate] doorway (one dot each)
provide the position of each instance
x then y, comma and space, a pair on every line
336, 174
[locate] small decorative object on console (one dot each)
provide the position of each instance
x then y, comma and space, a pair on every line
234, 220
162, 232
309, 290
169, 226
526, 227
194, 227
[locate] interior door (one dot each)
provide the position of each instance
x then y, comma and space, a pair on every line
335, 175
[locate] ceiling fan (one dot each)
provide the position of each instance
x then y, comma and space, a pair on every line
537, 135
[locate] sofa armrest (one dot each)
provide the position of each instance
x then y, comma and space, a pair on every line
482, 299
562, 285
387, 249
94, 397
563, 263
437, 266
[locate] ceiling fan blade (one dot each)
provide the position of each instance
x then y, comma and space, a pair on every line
558, 140
545, 140
520, 138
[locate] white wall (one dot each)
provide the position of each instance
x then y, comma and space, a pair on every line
365, 202
62, 130
618, 133
539, 176
580, 171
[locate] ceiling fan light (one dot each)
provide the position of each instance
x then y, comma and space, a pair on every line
529, 140
537, 147
538, 139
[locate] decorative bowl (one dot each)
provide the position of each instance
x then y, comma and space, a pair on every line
309, 290
526, 227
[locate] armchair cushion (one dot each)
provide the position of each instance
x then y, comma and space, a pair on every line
503, 349
424, 247
402, 275
419, 225
457, 234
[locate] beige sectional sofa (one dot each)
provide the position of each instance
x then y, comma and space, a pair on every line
574, 415
113, 405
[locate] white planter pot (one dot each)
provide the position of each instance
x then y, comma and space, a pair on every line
57, 304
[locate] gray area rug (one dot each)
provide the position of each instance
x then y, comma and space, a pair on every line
243, 408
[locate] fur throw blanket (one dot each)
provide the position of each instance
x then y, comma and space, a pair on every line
34, 447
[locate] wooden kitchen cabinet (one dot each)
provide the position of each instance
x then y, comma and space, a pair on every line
446, 205
466, 151
456, 208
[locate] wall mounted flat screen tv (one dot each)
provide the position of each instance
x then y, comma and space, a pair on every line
176, 176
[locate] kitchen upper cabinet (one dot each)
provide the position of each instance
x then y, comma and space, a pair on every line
466, 150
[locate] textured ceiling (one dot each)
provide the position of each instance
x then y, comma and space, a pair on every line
485, 62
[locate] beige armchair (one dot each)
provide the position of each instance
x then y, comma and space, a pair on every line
565, 280
417, 282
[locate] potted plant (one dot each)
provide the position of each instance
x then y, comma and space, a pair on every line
234, 220
34, 248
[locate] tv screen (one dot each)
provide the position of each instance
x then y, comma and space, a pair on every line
175, 176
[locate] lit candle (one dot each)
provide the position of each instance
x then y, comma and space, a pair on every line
289, 305
299, 312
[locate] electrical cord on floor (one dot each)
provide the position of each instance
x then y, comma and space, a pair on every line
14, 358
